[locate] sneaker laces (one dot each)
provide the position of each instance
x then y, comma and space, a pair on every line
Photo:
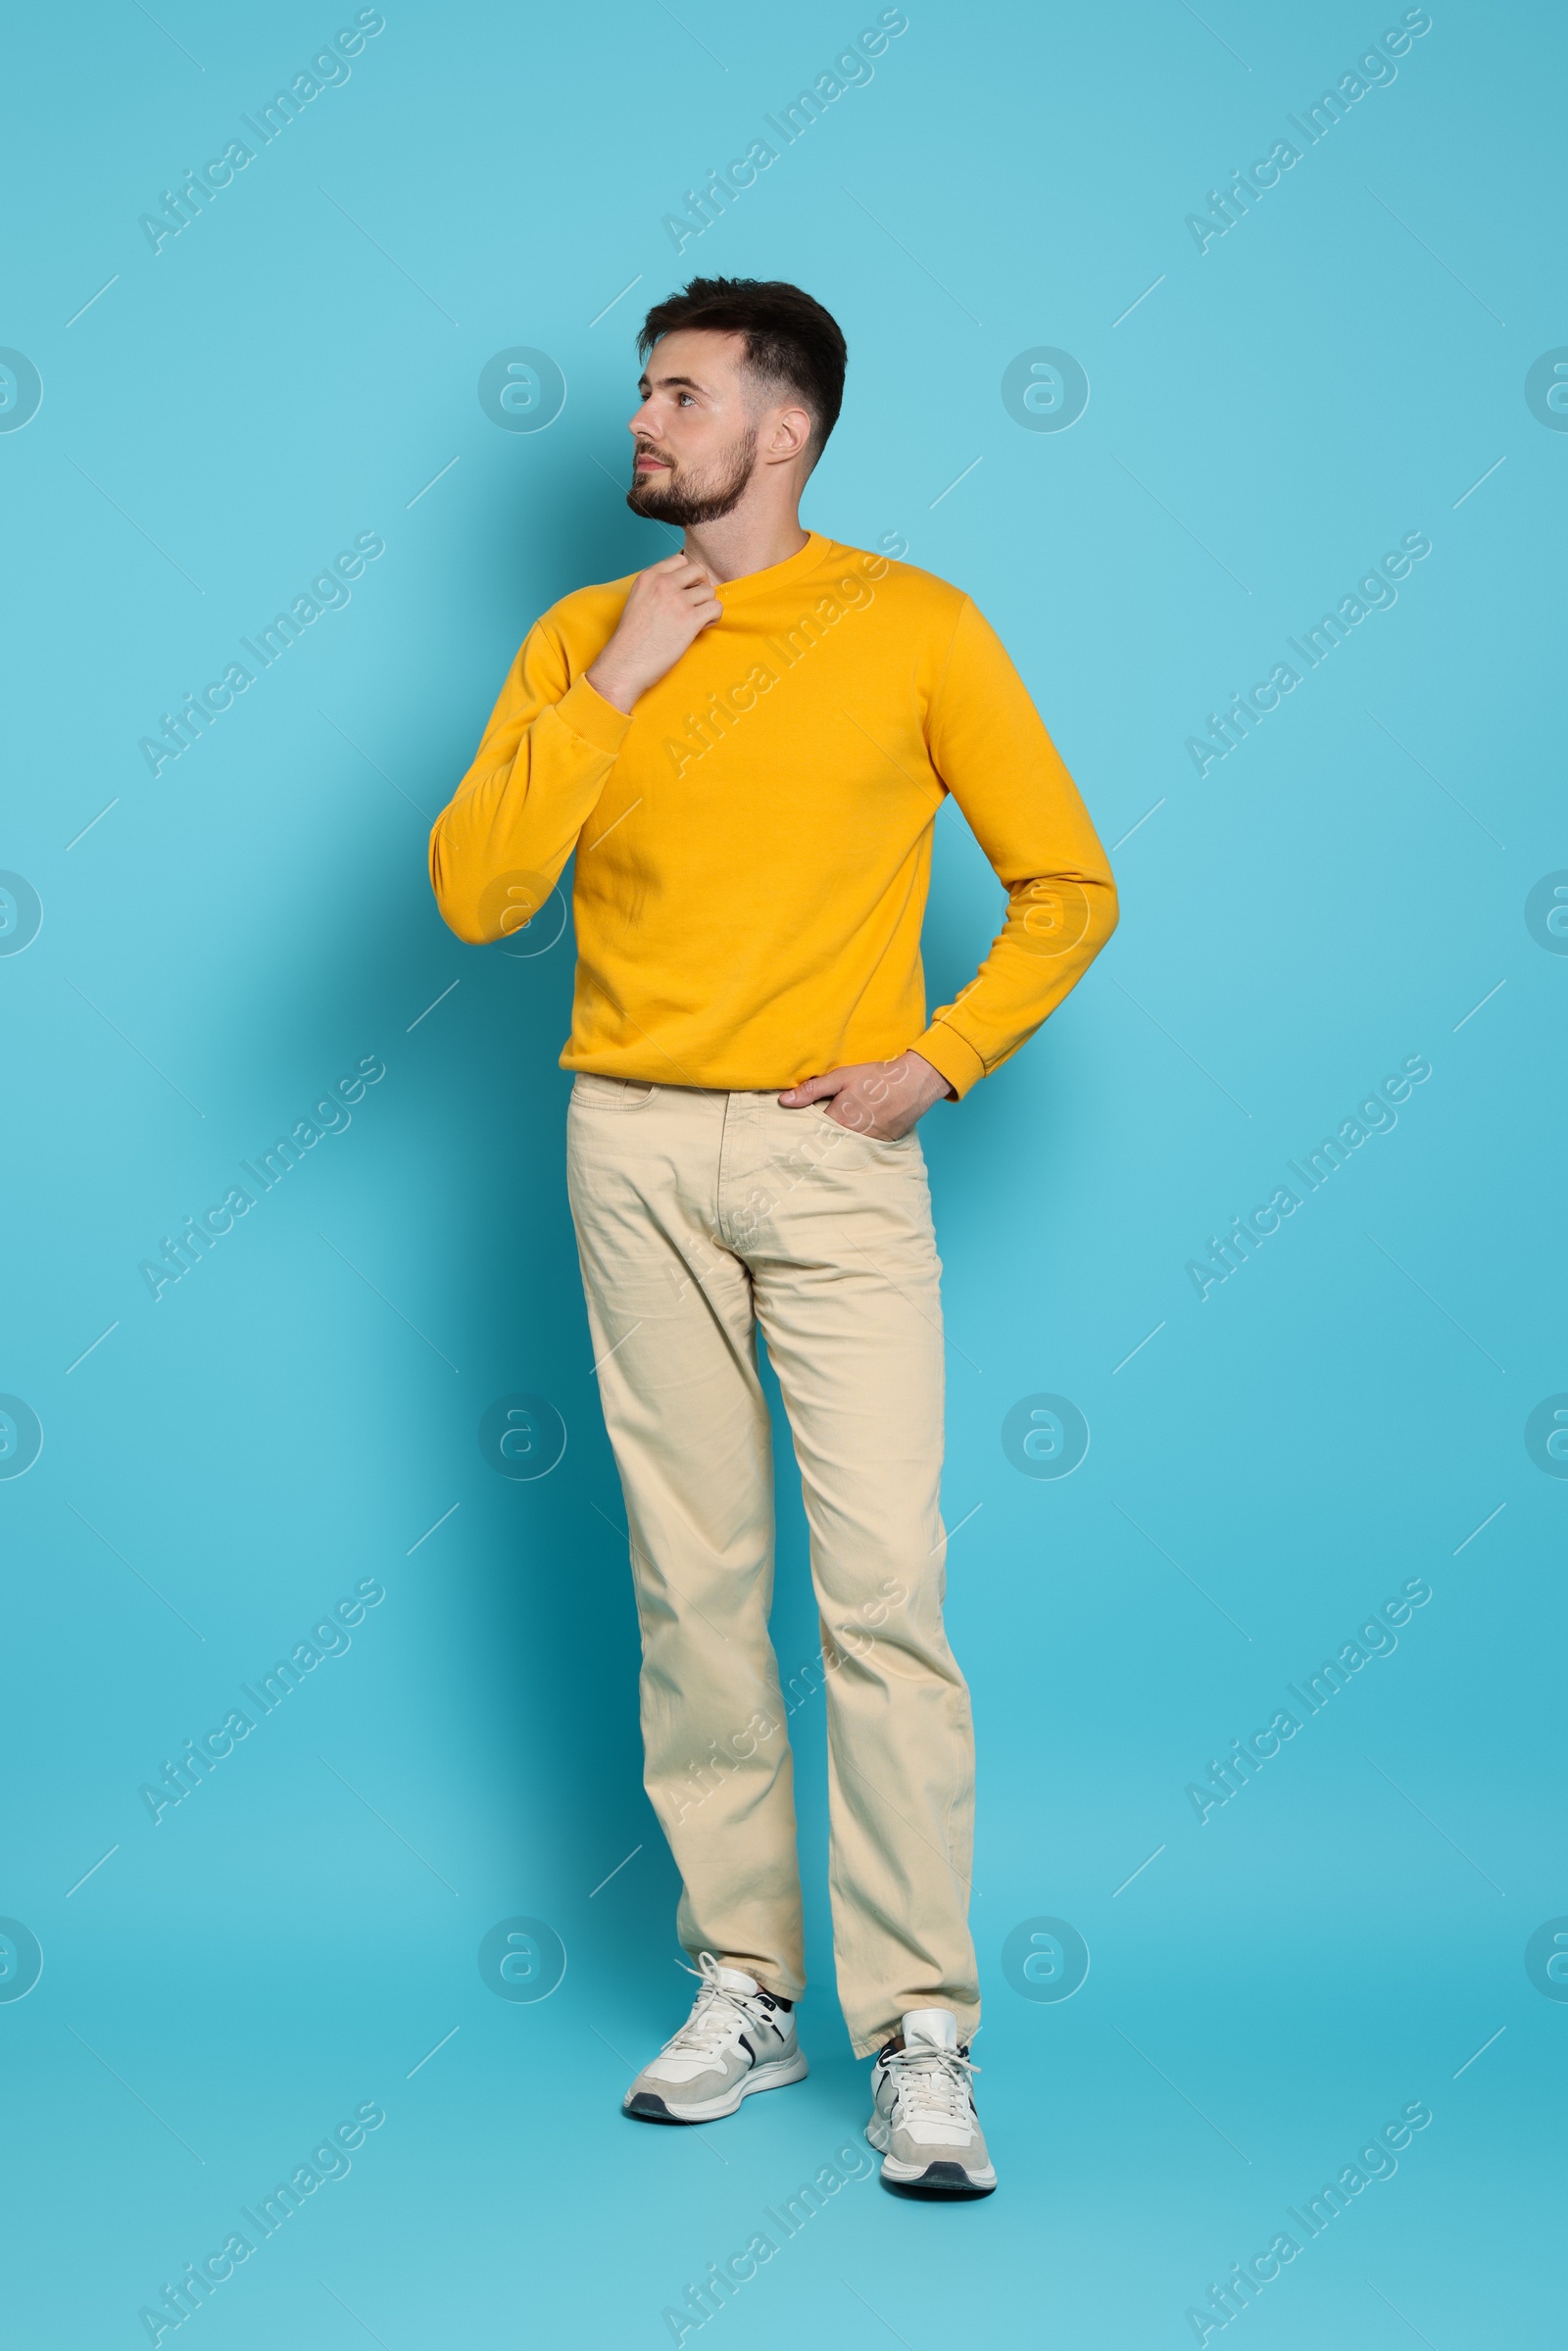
717, 2014
932, 2084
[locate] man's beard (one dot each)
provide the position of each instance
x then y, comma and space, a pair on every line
698, 499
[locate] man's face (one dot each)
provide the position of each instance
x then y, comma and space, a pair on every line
695, 436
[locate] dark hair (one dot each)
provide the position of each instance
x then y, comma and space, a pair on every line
790, 340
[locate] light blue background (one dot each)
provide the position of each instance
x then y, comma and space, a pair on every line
299, 1411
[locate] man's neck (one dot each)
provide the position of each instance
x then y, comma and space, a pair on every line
740, 543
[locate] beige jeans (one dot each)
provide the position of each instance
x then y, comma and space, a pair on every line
700, 1214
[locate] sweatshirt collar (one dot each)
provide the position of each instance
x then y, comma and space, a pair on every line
760, 583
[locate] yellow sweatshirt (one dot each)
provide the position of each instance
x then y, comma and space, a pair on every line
753, 843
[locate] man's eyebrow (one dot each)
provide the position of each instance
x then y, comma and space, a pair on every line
684, 384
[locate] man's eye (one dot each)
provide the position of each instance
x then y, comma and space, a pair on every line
686, 400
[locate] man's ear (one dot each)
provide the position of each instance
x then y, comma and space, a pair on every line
790, 436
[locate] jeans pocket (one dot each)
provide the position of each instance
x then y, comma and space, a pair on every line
902, 1145
591, 1090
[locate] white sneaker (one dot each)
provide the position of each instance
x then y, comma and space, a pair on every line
737, 2040
923, 2122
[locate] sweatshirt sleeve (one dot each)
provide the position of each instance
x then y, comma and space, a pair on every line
989, 747
499, 846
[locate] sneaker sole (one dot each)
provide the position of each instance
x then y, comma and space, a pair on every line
939, 2179
943, 2177
648, 2107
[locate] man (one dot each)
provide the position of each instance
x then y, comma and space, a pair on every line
745, 747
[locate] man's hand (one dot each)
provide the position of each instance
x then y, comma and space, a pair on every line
669, 605
879, 1098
